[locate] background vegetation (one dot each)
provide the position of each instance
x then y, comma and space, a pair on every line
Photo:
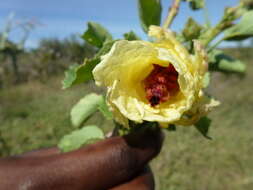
51, 57
35, 114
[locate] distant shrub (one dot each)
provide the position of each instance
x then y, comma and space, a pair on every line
51, 57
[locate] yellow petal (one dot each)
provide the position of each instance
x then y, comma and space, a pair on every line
128, 63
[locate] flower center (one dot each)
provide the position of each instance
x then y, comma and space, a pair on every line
161, 84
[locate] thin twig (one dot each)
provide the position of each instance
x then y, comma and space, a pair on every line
173, 11
206, 16
215, 45
225, 23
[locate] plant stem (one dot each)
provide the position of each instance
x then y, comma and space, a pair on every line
211, 33
173, 11
206, 15
215, 45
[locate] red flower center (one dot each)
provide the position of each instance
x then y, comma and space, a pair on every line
161, 84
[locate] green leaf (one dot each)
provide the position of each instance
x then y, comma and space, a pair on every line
78, 74
70, 76
222, 62
196, 4
105, 48
242, 30
229, 64
212, 56
96, 34
131, 36
203, 126
84, 108
87, 106
78, 138
149, 13
206, 80
191, 30
103, 108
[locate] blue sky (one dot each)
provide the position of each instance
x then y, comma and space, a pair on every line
60, 18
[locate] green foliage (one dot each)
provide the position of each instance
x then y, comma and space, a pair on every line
52, 57
96, 34
84, 71
105, 48
191, 30
207, 78
87, 106
222, 62
131, 36
84, 108
80, 137
78, 74
103, 108
196, 4
229, 64
203, 126
242, 30
70, 76
149, 13
71, 48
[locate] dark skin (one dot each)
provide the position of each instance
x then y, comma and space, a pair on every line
117, 163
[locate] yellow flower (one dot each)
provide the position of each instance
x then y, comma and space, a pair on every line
159, 82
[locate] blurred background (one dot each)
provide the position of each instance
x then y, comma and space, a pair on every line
42, 39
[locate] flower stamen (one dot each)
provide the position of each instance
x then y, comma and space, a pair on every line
161, 84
